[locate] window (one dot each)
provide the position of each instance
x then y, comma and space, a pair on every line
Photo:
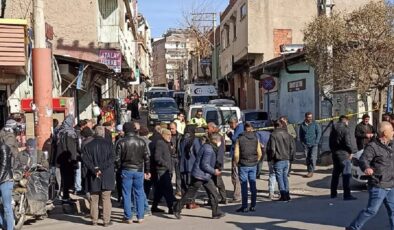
243, 11
234, 30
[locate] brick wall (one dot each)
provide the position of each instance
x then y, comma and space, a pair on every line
281, 37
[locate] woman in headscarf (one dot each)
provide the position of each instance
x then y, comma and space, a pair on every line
67, 154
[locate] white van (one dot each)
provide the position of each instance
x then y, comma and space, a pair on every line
199, 94
220, 115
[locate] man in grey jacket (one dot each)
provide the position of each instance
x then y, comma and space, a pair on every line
377, 162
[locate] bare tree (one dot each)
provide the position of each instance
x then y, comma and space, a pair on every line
362, 52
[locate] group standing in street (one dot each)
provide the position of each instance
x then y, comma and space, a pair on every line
192, 155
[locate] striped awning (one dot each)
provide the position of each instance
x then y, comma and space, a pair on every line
12, 42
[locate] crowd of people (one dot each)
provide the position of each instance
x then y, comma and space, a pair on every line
97, 160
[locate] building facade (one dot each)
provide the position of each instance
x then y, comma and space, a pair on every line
95, 51
171, 57
252, 32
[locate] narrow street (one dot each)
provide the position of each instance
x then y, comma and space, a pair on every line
310, 209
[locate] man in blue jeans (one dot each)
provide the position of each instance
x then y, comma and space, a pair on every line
377, 162
247, 153
279, 149
6, 186
310, 134
132, 158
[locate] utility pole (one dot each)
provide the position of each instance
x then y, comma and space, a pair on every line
211, 18
42, 77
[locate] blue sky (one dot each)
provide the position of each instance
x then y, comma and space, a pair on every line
164, 14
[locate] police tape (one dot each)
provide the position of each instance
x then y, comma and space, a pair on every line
321, 120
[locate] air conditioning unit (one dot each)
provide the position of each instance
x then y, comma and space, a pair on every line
291, 48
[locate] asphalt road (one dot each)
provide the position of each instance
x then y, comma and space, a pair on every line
310, 209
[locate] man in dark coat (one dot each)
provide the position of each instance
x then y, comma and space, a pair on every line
364, 132
162, 159
218, 180
203, 170
189, 146
67, 154
341, 148
175, 155
100, 178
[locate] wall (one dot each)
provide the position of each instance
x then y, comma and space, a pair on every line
294, 105
159, 62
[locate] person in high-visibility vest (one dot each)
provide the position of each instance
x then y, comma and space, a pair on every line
198, 119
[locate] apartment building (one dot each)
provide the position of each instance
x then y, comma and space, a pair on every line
99, 38
252, 31
170, 58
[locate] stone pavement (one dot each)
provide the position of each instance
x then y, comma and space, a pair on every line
310, 209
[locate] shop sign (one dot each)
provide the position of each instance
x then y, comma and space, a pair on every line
112, 59
298, 85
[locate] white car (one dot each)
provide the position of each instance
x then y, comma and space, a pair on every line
357, 174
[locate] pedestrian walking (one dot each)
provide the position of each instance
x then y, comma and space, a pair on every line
247, 155
310, 134
6, 186
132, 158
78, 176
67, 153
341, 149
98, 158
163, 167
291, 130
175, 157
218, 180
377, 162
364, 132
134, 106
236, 130
143, 133
189, 147
279, 148
203, 169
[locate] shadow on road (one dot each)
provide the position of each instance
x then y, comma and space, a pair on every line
310, 210
267, 225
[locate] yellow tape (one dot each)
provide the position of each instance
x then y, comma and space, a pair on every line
321, 120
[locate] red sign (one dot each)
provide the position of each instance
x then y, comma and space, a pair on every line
112, 59
59, 104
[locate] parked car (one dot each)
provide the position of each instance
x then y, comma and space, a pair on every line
258, 118
357, 174
162, 109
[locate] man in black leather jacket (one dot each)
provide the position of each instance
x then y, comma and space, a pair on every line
132, 158
280, 147
6, 186
341, 149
